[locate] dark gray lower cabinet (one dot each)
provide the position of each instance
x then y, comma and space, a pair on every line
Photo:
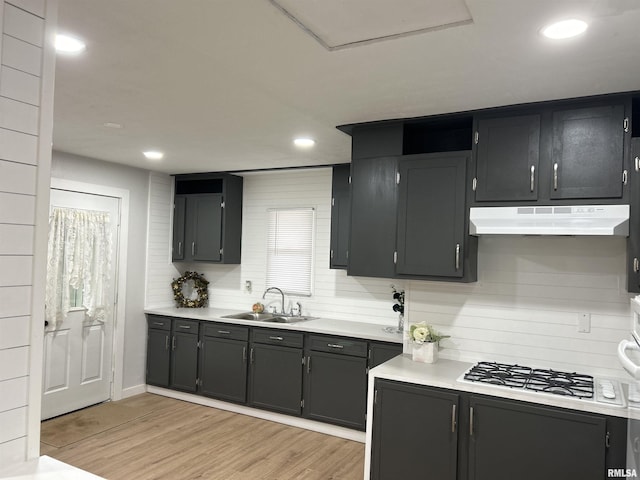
534, 442
158, 356
275, 379
336, 381
415, 432
224, 354
184, 361
455, 435
380, 352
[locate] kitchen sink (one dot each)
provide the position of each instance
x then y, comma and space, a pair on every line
268, 317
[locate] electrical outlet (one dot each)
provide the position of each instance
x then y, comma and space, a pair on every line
247, 286
584, 322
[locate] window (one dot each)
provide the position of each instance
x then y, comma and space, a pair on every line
290, 250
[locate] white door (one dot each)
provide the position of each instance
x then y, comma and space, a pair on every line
78, 353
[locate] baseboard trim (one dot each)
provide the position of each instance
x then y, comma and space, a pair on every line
135, 390
320, 427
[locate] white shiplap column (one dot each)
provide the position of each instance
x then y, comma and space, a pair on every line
26, 123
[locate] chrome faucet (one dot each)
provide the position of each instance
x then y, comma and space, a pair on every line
281, 293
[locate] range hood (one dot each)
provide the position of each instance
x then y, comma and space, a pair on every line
550, 220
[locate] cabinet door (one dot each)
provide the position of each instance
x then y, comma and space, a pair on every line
414, 432
276, 378
184, 361
336, 389
633, 242
179, 211
508, 438
506, 156
204, 227
373, 217
340, 216
431, 215
158, 357
223, 369
588, 152
381, 352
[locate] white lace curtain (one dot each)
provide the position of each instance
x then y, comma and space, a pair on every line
78, 257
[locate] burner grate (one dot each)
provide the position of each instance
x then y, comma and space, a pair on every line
539, 380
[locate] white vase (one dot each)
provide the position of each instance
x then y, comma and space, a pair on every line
425, 352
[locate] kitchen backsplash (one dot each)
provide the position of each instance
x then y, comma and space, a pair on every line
524, 307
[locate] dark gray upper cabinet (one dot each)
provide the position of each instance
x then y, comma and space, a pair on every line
415, 430
340, 216
373, 217
207, 225
633, 242
588, 152
537, 442
179, 213
507, 150
431, 215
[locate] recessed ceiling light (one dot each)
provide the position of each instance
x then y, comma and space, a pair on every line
564, 29
153, 155
304, 142
68, 44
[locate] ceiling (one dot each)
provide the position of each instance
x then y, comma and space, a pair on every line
226, 85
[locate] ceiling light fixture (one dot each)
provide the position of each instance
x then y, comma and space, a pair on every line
564, 29
304, 142
153, 155
68, 44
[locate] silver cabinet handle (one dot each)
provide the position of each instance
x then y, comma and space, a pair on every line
471, 421
555, 176
276, 338
159, 323
244, 354
457, 256
179, 248
533, 176
188, 327
453, 418
193, 248
636, 265
637, 160
251, 355
309, 364
224, 332
173, 343
166, 342
334, 345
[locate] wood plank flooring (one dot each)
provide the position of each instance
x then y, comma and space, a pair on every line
181, 440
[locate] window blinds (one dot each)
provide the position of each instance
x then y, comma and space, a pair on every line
290, 250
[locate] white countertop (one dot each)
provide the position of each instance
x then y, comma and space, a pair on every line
445, 373
345, 328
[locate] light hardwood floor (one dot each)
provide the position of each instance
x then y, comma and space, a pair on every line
181, 440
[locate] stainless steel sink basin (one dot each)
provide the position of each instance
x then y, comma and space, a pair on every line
250, 316
268, 317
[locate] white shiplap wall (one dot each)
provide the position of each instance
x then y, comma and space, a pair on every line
25, 126
524, 307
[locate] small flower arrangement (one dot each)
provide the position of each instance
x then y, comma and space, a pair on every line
398, 296
422, 333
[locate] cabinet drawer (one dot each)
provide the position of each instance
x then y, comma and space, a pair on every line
224, 330
185, 326
346, 346
159, 323
277, 337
